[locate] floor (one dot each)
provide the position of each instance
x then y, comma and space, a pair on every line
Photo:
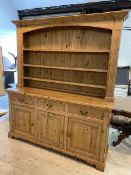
4, 105
4, 102
23, 158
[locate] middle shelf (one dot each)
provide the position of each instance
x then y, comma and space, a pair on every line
66, 68
67, 50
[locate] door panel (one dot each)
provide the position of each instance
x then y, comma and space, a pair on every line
82, 142
50, 128
23, 121
83, 137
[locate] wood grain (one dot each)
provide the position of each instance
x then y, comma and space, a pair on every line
77, 55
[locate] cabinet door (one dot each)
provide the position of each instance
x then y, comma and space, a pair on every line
23, 121
50, 128
83, 137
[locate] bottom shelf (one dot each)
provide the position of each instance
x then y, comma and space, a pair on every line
65, 88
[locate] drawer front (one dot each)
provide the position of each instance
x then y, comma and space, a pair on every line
51, 105
86, 111
23, 99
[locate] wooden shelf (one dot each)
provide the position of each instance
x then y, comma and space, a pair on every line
65, 82
68, 58
66, 68
83, 51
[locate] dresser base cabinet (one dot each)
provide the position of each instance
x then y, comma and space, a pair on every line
78, 130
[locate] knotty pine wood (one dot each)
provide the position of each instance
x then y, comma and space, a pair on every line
67, 60
69, 39
78, 89
92, 78
107, 16
49, 118
62, 62
83, 43
60, 96
113, 60
20, 83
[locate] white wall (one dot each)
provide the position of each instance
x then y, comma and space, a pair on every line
7, 29
7, 12
8, 44
125, 45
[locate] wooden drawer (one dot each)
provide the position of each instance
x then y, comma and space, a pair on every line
23, 99
51, 105
86, 111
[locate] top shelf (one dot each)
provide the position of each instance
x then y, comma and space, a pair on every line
54, 50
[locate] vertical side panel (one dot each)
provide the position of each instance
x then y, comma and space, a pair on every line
112, 66
20, 56
104, 136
